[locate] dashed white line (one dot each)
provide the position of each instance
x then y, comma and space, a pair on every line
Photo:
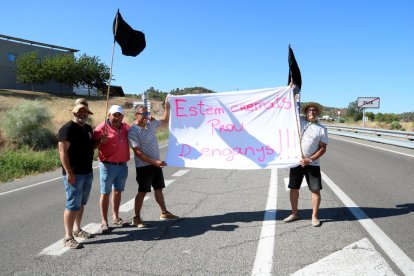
264, 255
57, 248
181, 173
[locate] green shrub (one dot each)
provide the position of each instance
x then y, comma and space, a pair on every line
26, 125
395, 125
25, 161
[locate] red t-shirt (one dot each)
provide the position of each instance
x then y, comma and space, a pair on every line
116, 148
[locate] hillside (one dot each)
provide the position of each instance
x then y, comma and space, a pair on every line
59, 106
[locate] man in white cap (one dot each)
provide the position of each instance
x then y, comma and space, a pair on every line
314, 139
111, 136
76, 154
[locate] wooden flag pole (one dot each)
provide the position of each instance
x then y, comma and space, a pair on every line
110, 71
297, 118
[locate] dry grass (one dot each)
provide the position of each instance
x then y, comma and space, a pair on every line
408, 126
18, 162
59, 106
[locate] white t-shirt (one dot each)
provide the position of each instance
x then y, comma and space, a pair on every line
311, 135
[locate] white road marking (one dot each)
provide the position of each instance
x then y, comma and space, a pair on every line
393, 151
129, 205
168, 182
181, 173
264, 255
33, 185
359, 258
404, 263
57, 248
36, 184
50, 180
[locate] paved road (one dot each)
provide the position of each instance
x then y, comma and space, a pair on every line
229, 225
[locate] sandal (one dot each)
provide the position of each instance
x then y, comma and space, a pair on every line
120, 222
72, 243
105, 229
83, 234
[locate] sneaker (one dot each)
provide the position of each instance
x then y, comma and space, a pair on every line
105, 229
138, 222
83, 234
291, 218
316, 223
120, 222
72, 243
168, 216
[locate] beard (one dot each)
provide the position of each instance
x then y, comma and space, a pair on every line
81, 119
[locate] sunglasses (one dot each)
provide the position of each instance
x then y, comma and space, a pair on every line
144, 113
312, 109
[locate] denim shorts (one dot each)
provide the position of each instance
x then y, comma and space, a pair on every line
78, 193
112, 177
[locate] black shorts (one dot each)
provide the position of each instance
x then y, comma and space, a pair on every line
312, 175
149, 176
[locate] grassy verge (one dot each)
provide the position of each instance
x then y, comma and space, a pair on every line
15, 164
22, 162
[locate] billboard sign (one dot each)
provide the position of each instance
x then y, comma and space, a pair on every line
368, 102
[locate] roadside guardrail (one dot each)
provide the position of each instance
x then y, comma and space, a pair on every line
385, 136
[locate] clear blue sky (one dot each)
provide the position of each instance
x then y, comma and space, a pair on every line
345, 49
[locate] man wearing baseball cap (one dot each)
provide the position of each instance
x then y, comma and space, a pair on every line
113, 153
76, 154
314, 139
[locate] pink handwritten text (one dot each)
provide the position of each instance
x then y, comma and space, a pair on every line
216, 124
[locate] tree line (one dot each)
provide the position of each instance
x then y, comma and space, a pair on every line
351, 113
66, 69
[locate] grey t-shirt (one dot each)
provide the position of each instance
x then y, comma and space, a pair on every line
311, 135
146, 140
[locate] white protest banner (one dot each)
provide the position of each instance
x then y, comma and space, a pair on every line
250, 129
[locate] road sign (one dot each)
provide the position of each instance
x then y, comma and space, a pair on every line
368, 102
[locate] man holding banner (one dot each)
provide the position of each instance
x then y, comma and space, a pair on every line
314, 139
143, 141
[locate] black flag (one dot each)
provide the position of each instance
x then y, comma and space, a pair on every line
294, 72
132, 42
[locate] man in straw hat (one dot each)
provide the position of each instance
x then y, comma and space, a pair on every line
113, 150
314, 139
76, 153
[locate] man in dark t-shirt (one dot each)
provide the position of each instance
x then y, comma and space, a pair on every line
76, 155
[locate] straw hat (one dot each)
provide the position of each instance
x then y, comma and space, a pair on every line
79, 106
311, 104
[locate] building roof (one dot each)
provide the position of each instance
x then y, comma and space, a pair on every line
38, 43
115, 90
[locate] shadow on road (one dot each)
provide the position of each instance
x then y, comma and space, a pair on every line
195, 226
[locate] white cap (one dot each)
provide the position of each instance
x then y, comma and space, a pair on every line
115, 109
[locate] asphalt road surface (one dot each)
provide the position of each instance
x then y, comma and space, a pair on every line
232, 222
